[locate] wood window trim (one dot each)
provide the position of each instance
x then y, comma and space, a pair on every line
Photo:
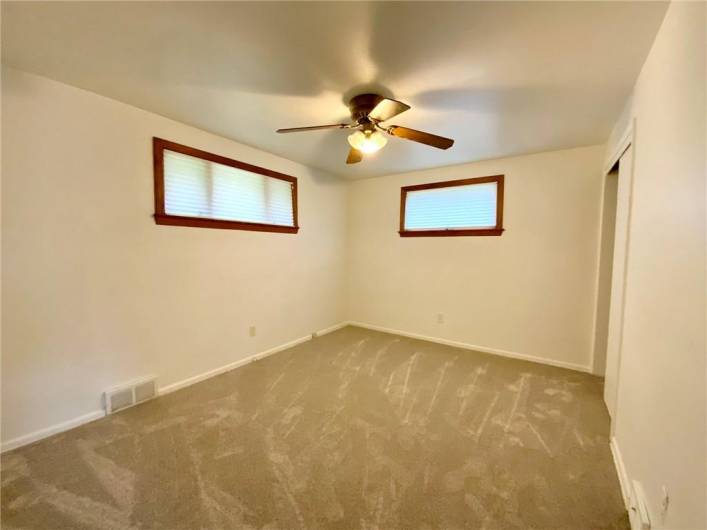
496, 230
162, 218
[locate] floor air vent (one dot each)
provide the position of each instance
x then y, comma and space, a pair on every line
129, 394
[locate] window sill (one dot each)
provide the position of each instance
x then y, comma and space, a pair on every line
451, 232
177, 220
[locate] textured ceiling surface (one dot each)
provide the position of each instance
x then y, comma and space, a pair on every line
502, 78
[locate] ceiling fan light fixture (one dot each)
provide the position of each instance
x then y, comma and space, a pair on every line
367, 141
367, 113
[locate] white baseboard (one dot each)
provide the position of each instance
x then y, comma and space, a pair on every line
484, 349
54, 429
331, 329
228, 367
97, 414
620, 470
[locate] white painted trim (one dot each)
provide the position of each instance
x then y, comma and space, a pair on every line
230, 366
484, 349
54, 429
620, 471
331, 329
631, 142
627, 139
621, 146
97, 414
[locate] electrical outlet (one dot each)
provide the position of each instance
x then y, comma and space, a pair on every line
440, 318
251, 331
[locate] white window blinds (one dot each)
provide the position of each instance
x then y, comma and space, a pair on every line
194, 187
471, 206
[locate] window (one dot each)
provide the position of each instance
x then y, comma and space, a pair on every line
467, 207
196, 188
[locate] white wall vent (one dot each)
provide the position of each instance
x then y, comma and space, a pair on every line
129, 394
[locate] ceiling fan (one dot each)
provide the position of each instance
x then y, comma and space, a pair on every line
368, 111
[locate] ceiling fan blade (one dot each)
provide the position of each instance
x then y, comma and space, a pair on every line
386, 109
355, 156
315, 128
440, 142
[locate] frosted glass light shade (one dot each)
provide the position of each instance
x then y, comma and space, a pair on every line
367, 142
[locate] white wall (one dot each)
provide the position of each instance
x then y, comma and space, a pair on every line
660, 422
95, 293
530, 291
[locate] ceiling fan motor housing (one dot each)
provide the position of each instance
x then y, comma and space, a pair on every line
368, 111
362, 105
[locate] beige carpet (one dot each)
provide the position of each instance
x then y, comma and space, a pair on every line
356, 429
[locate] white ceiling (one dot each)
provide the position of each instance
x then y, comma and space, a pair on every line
501, 78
